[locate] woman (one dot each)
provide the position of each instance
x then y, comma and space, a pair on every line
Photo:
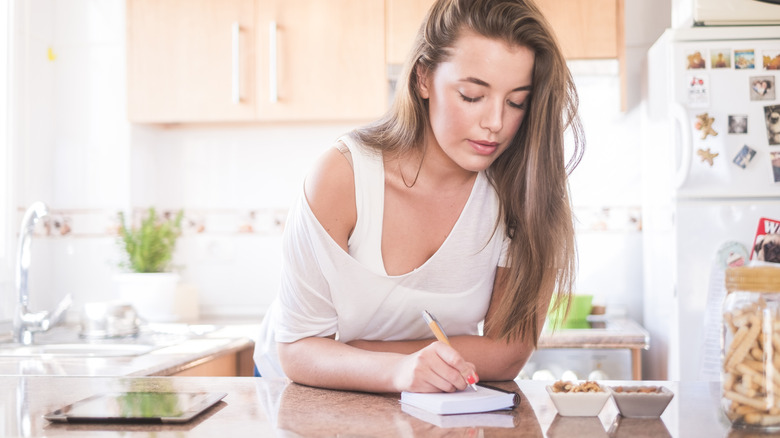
454, 202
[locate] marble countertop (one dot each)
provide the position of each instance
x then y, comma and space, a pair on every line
266, 407
175, 352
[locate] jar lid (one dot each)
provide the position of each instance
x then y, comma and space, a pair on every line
753, 279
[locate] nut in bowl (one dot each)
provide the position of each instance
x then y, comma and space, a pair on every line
641, 401
578, 400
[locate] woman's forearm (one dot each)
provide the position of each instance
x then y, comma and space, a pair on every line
495, 360
328, 363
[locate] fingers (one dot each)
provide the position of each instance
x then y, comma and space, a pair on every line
435, 368
467, 370
451, 370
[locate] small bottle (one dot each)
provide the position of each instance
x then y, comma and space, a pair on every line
750, 371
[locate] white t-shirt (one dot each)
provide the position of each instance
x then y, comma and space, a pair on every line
325, 291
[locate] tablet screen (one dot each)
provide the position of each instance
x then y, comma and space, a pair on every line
158, 407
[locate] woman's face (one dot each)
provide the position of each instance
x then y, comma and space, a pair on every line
477, 98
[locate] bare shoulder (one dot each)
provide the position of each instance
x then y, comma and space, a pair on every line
330, 192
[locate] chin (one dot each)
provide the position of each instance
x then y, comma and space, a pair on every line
477, 165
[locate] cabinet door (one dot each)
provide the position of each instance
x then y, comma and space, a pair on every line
321, 60
190, 60
586, 29
404, 18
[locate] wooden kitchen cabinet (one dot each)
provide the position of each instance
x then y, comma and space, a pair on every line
184, 58
586, 29
321, 60
232, 364
255, 60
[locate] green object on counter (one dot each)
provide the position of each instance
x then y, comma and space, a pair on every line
149, 247
579, 309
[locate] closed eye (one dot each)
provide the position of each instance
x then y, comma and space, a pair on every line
516, 105
469, 99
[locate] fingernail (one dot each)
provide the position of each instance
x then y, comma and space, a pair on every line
472, 379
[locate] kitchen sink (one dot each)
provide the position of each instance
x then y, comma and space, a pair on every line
66, 341
76, 350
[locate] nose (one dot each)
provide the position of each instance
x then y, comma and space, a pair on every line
492, 117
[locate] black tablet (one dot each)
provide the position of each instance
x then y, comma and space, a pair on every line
137, 407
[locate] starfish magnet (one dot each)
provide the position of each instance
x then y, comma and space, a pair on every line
707, 155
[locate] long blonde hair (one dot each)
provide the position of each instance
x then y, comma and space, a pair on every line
531, 176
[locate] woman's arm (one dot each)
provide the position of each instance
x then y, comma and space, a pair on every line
328, 363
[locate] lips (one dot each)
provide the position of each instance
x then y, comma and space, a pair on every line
483, 147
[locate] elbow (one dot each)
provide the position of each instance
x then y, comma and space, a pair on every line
511, 370
289, 362
507, 367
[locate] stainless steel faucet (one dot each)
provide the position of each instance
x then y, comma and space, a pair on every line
25, 322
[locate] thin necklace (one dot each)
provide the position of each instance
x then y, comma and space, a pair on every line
409, 186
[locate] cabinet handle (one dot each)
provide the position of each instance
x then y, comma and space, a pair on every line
273, 85
236, 80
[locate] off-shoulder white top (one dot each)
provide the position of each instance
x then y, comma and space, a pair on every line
325, 291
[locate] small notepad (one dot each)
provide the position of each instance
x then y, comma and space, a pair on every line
484, 399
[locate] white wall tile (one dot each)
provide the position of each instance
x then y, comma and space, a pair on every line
90, 93
36, 19
610, 268
92, 22
34, 124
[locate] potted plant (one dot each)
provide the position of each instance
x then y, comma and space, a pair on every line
148, 248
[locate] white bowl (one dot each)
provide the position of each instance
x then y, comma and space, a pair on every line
633, 404
578, 404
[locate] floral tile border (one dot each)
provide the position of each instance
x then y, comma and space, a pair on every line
608, 219
270, 221
105, 223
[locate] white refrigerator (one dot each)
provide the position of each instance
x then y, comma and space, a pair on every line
703, 193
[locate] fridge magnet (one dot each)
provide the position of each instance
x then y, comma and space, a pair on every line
775, 156
704, 124
707, 155
732, 254
766, 245
720, 58
744, 59
695, 60
698, 91
762, 88
744, 156
772, 118
771, 59
738, 124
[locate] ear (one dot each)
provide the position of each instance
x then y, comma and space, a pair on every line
422, 80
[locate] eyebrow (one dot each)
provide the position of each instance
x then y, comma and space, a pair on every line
485, 84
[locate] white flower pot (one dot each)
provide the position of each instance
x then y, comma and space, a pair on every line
158, 297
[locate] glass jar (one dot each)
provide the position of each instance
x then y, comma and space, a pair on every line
750, 371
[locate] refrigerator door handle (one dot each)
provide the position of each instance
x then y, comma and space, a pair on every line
680, 117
